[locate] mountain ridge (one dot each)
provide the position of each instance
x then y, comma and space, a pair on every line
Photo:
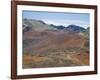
41, 25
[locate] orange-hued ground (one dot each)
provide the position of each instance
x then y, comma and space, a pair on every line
74, 60
54, 49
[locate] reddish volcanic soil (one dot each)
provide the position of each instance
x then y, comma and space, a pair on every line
53, 49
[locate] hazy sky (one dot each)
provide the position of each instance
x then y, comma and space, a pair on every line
59, 18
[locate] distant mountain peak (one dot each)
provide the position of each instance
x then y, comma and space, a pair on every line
41, 21
59, 27
75, 28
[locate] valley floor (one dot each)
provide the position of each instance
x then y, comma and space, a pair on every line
55, 60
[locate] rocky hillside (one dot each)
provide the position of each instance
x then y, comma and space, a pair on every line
46, 45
